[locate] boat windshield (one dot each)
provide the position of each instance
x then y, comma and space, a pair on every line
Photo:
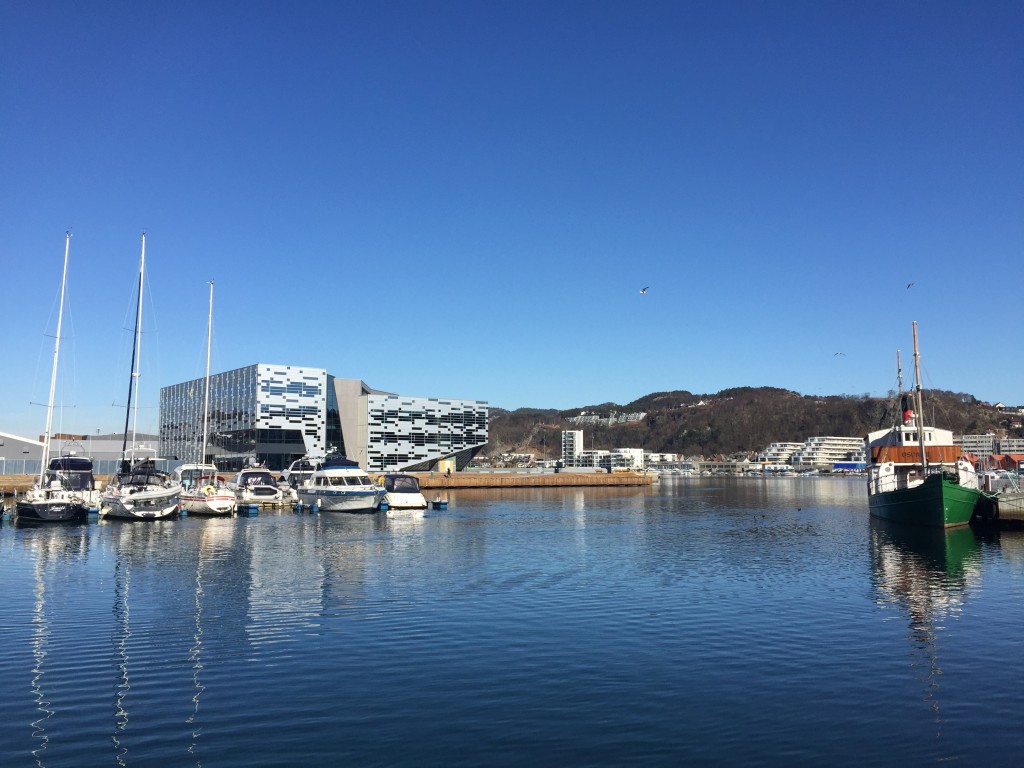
258, 478
142, 477
401, 484
72, 481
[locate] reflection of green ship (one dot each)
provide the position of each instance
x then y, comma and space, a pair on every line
927, 573
937, 554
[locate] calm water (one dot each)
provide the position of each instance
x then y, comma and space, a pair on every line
702, 622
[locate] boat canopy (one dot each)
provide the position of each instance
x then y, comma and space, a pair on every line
256, 477
401, 484
71, 464
142, 476
339, 463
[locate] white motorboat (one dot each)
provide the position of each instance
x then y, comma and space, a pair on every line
52, 499
340, 485
403, 492
256, 485
298, 472
203, 491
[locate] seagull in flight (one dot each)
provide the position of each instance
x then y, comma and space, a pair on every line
839, 354
644, 289
909, 285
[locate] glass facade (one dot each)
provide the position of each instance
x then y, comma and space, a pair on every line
278, 414
414, 433
271, 412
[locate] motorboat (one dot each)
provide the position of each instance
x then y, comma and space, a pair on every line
256, 485
298, 472
403, 492
141, 492
203, 491
340, 485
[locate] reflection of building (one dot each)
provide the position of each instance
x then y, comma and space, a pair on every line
279, 413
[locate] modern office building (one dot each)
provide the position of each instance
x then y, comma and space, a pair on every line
278, 413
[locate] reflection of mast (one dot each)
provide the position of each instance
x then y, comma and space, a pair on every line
925, 573
40, 639
122, 632
194, 652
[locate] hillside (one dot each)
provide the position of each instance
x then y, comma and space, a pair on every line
743, 419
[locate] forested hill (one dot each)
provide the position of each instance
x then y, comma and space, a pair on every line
743, 419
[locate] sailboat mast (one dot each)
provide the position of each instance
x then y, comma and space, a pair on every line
56, 354
917, 402
131, 379
138, 343
206, 394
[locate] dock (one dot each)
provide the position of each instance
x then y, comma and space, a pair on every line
1009, 508
458, 480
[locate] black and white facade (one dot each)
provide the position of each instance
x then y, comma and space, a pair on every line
278, 413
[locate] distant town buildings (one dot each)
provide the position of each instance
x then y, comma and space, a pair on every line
607, 420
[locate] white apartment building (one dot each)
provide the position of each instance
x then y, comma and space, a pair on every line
778, 453
627, 458
1011, 445
572, 446
826, 451
979, 445
616, 459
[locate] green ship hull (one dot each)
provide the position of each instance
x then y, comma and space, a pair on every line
935, 503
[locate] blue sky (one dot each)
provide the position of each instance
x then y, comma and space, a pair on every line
463, 199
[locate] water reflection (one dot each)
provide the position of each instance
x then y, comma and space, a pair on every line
927, 574
49, 547
120, 636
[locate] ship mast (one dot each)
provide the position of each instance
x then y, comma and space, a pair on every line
917, 402
53, 375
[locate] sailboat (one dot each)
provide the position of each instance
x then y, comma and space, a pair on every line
203, 490
916, 474
52, 499
140, 491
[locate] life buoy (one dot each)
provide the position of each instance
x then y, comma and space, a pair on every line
209, 490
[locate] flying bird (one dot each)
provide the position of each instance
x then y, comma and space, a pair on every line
909, 285
838, 354
644, 289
